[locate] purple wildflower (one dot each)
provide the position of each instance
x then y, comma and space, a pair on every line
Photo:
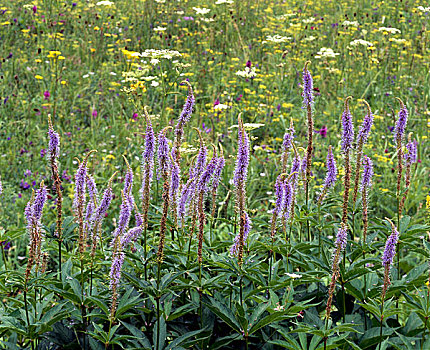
288, 139
163, 153
115, 271
124, 217
207, 175
288, 198
341, 238
92, 189
186, 112
390, 247
217, 174
54, 142
308, 87
148, 155
175, 176
347, 128
364, 131
279, 194
131, 235
366, 180
331, 175
234, 250
103, 207
39, 202
295, 170
80, 184
242, 162
200, 161
402, 119
412, 150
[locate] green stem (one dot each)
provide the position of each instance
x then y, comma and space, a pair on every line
382, 318
157, 343
145, 253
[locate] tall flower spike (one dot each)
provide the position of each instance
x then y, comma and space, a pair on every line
124, 217
402, 119
347, 127
410, 158
399, 132
217, 179
362, 137
388, 255
163, 158
366, 183
201, 157
286, 145
183, 119
279, 200
147, 167
54, 141
331, 175
347, 140
175, 179
163, 152
308, 100
340, 245
239, 179
308, 86
294, 172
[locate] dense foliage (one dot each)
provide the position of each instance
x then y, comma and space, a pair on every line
214, 175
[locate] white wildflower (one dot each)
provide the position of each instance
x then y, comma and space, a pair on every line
389, 30
247, 73
350, 23
326, 52
276, 39
360, 42
105, 3
201, 11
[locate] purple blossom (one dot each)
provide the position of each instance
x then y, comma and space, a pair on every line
347, 129
39, 202
308, 87
131, 235
163, 152
124, 217
330, 179
279, 194
366, 126
148, 156
288, 198
402, 119
115, 271
207, 175
80, 184
92, 189
175, 176
234, 250
390, 247
366, 180
288, 139
200, 161
341, 238
411, 155
103, 207
186, 112
217, 174
54, 143
242, 160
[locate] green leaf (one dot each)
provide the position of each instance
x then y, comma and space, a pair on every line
224, 313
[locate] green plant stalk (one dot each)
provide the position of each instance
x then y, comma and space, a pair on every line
382, 318
157, 342
26, 314
145, 252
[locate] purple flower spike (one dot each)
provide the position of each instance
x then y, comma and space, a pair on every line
330, 179
217, 173
347, 128
54, 142
288, 139
366, 181
402, 119
186, 111
39, 202
242, 162
175, 176
92, 189
341, 238
390, 247
234, 250
115, 271
279, 194
201, 158
411, 156
124, 217
365, 128
163, 152
148, 155
80, 184
308, 86
288, 198
207, 175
